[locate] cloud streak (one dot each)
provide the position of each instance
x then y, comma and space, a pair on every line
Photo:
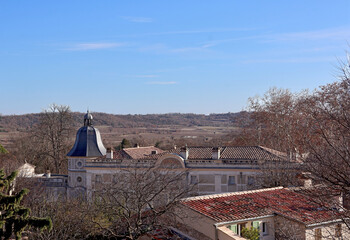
144, 76
162, 83
290, 60
93, 46
340, 33
138, 19
194, 31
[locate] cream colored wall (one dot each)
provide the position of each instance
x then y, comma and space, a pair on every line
328, 232
76, 170
271, 229
206, 225
226, 234
211, 181
196, 221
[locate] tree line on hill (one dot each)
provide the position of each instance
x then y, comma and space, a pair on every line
26, 122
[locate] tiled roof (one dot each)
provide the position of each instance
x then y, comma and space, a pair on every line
136, 152
232, 153
250, 204
198, 153
250, 153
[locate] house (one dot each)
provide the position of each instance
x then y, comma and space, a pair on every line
212, 170
278, 213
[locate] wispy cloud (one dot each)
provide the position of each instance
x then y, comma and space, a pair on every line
144, 76
340, 33
291, 60
165, 49
191, 49
93, 46
162, 83
138, 19
194, 31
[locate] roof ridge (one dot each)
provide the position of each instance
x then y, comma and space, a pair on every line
229, 194
271, 151
141, 147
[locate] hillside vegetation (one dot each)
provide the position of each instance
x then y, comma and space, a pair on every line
172, 128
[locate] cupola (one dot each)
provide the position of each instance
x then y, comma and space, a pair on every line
88, 141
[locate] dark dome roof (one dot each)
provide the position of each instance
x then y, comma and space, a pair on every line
88, 142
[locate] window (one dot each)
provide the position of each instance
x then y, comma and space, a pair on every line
234, 228
318, 234
231, 180
194, 180
98, 178
79, 164
237, 228
251, 180
115, 178
265, 228
79, 179
241, 178
338, 231
256, 224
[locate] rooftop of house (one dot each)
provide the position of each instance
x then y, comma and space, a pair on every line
134, 153
258, 203
206, 153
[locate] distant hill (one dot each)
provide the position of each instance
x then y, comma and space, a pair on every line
26, 121
148, 129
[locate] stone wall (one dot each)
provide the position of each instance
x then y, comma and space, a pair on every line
288, 229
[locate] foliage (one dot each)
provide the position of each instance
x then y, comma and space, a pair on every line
125, 143
250, 233
14, 218
3, 150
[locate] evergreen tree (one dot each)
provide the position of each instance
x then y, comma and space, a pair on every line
125, 143
14, 218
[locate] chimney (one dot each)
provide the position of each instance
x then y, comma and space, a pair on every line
136, 145
291, 155
305, 177
216, 153
109, 154
184, 152
48, 173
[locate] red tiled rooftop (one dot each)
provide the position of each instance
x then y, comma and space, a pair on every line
137, 152
250, 204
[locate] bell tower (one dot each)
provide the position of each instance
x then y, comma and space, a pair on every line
88, 146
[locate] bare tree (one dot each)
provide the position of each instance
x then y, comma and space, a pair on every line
327, 132
137, 202
53, 137
275, 119
70, 219
314, 128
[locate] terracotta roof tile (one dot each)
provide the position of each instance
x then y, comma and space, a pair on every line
250, 204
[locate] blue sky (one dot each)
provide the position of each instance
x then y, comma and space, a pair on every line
164, 56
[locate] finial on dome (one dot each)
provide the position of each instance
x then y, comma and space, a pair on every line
88, 119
